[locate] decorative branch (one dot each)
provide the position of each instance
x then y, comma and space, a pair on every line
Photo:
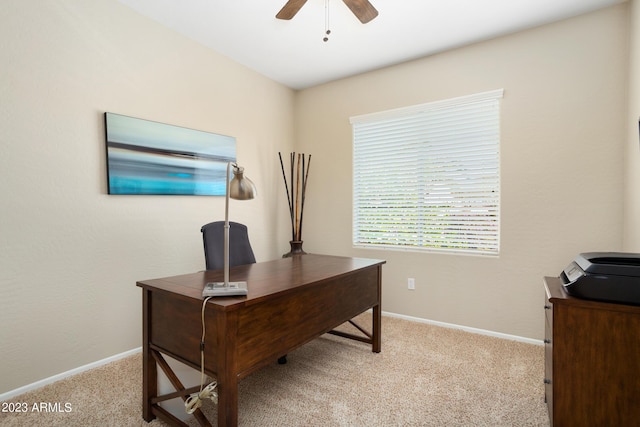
297, 234
299, 169
292, 157
304, 191
286, 187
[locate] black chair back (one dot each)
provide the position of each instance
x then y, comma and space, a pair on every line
240, 251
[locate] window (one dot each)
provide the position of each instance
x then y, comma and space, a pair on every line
427, 177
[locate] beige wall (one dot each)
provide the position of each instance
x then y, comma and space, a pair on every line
563, 131
632, 149
70, 254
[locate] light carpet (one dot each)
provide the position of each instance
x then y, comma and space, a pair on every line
426, 375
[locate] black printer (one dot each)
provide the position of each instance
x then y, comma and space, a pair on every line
604, 276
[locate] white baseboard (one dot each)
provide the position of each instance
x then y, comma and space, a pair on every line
29, 387
10, 394
465, 328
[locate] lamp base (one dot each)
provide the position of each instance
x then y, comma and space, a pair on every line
218, 289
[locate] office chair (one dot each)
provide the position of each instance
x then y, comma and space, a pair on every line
240, 251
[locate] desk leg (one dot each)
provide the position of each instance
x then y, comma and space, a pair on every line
228, 403
149, 368
376, 345
227, 375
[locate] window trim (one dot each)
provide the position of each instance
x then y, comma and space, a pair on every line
434, 105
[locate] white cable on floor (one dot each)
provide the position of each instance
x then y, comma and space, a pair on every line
194, 401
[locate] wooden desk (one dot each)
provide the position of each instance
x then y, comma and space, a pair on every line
291, 301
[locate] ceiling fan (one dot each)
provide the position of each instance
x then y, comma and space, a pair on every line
363, 10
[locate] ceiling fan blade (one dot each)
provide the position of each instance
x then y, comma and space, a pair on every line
290, 9
363, 10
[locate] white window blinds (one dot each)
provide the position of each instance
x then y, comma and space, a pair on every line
427, 177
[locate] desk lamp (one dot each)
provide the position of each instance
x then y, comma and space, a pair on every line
240, 188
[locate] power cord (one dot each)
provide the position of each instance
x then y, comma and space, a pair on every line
194, 401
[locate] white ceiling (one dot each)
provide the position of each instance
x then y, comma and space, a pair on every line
293, 52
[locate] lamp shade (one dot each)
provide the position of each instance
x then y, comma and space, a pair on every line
241, 187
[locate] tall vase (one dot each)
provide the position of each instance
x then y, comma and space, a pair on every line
296, 249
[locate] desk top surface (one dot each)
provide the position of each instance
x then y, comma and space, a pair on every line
264, 279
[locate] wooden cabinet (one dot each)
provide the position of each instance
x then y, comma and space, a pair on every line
592, 360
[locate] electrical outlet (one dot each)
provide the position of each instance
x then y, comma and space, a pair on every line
411, 283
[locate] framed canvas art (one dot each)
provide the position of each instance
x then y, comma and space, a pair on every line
147, 157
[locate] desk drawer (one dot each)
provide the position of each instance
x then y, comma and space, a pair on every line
279, 325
